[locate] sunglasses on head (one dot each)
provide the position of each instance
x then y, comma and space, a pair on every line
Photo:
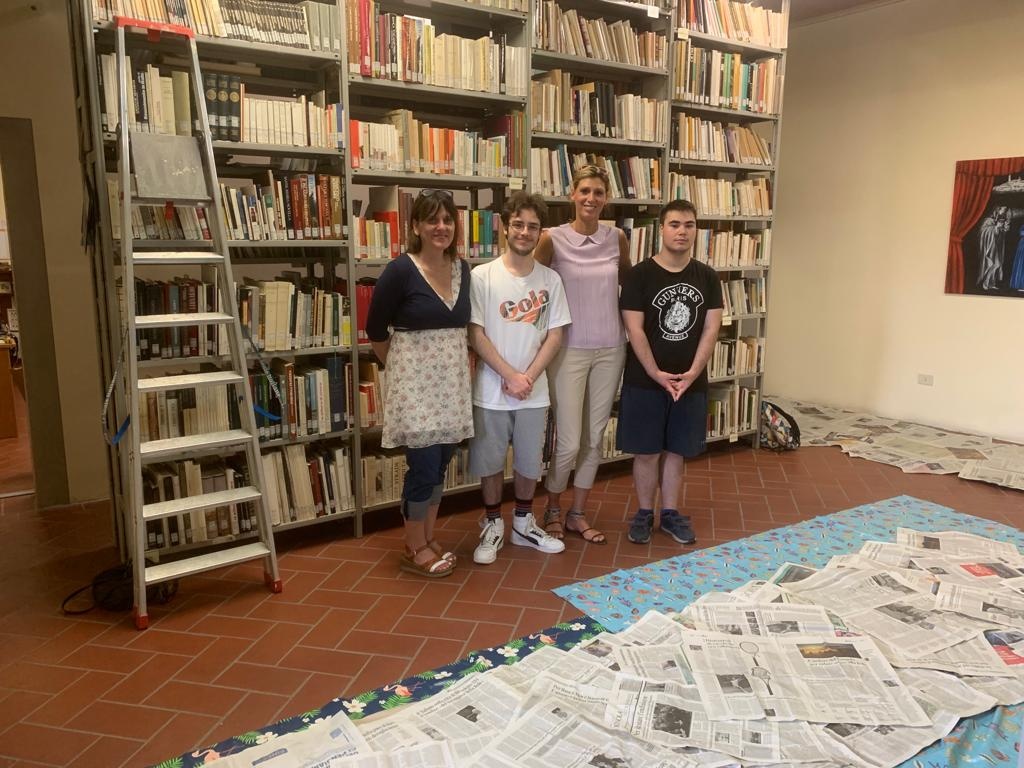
443, 193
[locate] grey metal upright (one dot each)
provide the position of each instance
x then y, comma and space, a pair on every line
165, 170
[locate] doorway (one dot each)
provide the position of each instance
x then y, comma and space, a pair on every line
16, 474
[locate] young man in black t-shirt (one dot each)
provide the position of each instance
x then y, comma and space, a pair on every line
672, 309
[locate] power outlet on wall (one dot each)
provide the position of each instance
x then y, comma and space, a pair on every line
925, 379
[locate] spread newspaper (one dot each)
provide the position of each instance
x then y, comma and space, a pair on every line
860, 664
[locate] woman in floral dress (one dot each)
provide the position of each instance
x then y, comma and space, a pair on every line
417, 327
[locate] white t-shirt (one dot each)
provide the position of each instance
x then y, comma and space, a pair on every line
515, 313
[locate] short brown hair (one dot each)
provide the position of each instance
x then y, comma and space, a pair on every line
520, 201
427, 203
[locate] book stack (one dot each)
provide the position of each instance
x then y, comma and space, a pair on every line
291, 312
286, 121
292, 207
643, 235
744, 296
697, 139
301, 400
722, 197
307, 482
637, 178
180, 413
619, 41
723, 79
735, 20
731, 410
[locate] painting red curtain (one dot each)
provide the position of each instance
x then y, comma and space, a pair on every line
972, 188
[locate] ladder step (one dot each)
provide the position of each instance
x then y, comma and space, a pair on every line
200, 502
173, 447
168, 321
184, 380
175, 258
207, 562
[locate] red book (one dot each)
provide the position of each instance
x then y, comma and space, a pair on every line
295, 187
364, 294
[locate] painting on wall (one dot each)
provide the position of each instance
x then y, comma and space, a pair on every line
986, 231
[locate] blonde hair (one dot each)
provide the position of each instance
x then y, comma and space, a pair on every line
588, 172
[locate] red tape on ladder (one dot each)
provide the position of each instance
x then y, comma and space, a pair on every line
153, 29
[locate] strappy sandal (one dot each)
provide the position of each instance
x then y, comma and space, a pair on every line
553, 523
595, 537
440, 552
435, 568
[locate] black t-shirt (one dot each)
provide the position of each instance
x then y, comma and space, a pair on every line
675, 305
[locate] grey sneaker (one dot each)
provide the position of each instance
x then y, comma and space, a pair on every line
641, 526
678, 527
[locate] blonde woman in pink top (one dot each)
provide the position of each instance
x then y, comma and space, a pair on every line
584, 377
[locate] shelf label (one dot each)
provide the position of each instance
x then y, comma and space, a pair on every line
726, 320
682, 33
516, 182
733, 437
653, 12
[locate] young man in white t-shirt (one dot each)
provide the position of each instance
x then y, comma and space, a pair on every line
518, 312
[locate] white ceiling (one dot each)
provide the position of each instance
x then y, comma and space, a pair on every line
802, 10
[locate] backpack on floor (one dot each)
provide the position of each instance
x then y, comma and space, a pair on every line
779, 430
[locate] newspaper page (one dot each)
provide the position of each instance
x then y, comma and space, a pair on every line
1007, 691
978, 571
577, 667
957, 544
1003, 465
790, 573
817, 679
763, 620
848, 591
673, 715
914, 625
973, 657
653, 628
944, 698
579, 698
987, 605
320, 745
549, 735
655, 662
434, 754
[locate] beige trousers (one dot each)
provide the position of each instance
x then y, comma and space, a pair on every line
583, 385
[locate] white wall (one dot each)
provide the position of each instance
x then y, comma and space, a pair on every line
879, 106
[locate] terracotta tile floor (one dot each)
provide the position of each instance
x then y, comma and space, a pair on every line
226, 657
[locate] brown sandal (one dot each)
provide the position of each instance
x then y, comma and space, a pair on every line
553, 525
595, 537
435, 568
440, 551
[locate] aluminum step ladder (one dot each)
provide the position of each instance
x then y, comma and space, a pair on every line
164, 170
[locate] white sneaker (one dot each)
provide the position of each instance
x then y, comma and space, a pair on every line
491, 540
526, 533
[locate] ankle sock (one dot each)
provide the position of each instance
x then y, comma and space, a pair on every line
493, 511
523, 507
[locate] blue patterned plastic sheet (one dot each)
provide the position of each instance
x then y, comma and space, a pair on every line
618, 599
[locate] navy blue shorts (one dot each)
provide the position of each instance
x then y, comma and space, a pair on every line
650, 422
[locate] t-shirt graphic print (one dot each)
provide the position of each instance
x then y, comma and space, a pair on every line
677, 307
532, 308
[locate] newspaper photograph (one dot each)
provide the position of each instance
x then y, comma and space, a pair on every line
763, 620
673, 715
817, 679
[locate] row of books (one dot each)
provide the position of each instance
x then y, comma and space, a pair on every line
391, 46
157, 222
183, 412
407, 144
295, 121
306, 482
720, 79
167, 482
594, 109
636, 178
722, 197
292, 312
157, 103
507, 5
737, 357
289, 207
698, 139
724, 249
258, 21
566, 31
301, 400
643, 235
731, 410
479, 235
735, 20
183, 294
744, 296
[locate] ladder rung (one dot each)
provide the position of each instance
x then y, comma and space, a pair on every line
174, 258
168, 321
171, 447
207, 562
183, 380
200, 201
201, 501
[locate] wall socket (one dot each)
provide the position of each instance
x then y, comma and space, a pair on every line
925, 379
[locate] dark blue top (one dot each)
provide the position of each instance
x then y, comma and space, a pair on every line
404, 300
